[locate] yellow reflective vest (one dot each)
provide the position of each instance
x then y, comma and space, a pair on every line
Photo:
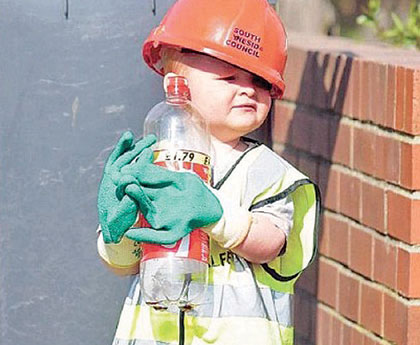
246, 303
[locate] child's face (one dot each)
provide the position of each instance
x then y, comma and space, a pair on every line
232, 100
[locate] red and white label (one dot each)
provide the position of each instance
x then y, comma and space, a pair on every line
196, 244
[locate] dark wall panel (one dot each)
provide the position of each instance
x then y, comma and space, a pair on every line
68, 89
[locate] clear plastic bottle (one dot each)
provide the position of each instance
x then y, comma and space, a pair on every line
177, 274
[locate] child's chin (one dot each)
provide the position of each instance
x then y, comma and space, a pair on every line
248, 125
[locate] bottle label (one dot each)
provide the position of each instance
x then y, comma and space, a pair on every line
195, 245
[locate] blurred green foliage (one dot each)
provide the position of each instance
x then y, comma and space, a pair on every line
401, 33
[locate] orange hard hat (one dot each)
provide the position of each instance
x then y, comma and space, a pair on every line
244, 33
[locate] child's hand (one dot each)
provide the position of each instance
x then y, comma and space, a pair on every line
174, 203
117, 211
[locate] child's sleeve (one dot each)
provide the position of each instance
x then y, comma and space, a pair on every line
283, 271
124, 254
280, 213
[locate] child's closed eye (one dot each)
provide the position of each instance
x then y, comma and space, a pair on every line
227, 78
261, 83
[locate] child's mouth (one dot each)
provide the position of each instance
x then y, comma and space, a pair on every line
247, 107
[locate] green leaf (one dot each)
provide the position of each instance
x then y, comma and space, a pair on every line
389, 34
397, 22
374, 6
365, 20
362, 19
401, 32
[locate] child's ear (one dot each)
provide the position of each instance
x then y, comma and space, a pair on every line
166, 79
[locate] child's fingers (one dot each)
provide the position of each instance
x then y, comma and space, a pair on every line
122, 183
154, 176
128, 156
123, 144
139, 164
136, 192
154, 236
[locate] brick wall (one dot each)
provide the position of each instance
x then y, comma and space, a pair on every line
351, 120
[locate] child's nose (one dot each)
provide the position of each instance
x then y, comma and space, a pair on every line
247, 85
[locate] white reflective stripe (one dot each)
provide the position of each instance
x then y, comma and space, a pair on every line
135, 325
247, 301
237, 301
267, 170
138, 342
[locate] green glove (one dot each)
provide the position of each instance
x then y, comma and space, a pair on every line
174, 203
117, 211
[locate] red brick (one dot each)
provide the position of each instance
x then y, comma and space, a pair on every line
336, 331
366, 91
415, 104
385, 262
323, 329
400, 98
408, 273
289, 154
356, 88
349, 293
313, 321
308, 82
357, 337
281, 126
373, 206
369, 341
364, 151
410, 166
381, 96
361, 249
329, 179
347, 331
374, 99
294, 73
372, 313
303, 315
344, 92
413, 333
408, 101
327, 283
302, 129
403, 217
390, 96
309, 166
401, 320
343, 143
319, 140
340, 94
339, 240
350, 194
374, 88
387, 159
324, 237
329, 69
308, 281
322, 80
395, 321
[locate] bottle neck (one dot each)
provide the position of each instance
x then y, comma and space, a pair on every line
176, 99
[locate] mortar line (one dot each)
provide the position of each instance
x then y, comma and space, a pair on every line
373, 127
352, 324
413, 194
413, 302
412, 248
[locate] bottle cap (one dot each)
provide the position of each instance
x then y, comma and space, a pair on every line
176, 86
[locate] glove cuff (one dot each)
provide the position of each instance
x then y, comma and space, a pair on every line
232, 229
124, 254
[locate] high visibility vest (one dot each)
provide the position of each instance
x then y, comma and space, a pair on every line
246, 303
